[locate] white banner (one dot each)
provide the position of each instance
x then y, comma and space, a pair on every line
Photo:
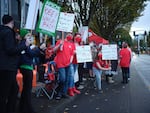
84, 32
109, 52
32, 14
83, 53
65, 22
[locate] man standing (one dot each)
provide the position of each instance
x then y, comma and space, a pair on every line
125, 58
9, 56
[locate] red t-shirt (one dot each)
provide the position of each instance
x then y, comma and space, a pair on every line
63, 57
75, 56
125, 57
103, 63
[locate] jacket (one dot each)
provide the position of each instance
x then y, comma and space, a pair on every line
9, 49
27, 57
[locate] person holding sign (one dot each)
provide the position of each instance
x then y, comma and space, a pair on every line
64, 55
98, 66
77, 39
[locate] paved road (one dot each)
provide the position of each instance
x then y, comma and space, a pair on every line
142, 66
117, 98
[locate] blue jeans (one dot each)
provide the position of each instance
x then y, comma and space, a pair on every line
65, 76
71, 76
98, 74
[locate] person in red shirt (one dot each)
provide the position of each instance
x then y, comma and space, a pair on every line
76, 42
99, 65
125, 58
64, 56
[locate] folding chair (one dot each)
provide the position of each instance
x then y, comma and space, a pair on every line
50, 81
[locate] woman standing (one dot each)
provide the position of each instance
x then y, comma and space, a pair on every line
26, 68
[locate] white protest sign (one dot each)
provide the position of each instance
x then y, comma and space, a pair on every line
49, 18
65, 22
32, 14
83, 54
84, 32
109, 52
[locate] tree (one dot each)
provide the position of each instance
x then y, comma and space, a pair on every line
115, 14
104, 17
122, 35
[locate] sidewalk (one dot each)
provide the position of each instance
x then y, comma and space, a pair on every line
43, 105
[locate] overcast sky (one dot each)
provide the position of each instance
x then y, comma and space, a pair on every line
143, 22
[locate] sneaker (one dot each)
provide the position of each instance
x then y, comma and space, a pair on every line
58, 97
84, 79
100, 91
82, 83
80, 87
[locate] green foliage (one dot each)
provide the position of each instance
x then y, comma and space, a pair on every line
114, 14
104, 17
122, 35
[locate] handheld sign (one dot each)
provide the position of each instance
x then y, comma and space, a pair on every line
49, 18
109, 52
32, 14
84, 32
84, 54
65, 22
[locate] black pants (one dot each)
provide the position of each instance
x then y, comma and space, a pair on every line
125, 74
80, 73
25, 101
8, 91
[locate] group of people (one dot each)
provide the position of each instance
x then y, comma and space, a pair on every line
18, 54
109, 67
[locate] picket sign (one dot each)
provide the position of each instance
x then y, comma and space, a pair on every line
65, 22
109, 52
84, 54
84, 32
48, 18
32, 14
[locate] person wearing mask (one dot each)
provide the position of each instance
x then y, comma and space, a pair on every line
63, 59
9, 56
72, 90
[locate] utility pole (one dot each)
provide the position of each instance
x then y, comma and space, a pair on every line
145, 37
138, 41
